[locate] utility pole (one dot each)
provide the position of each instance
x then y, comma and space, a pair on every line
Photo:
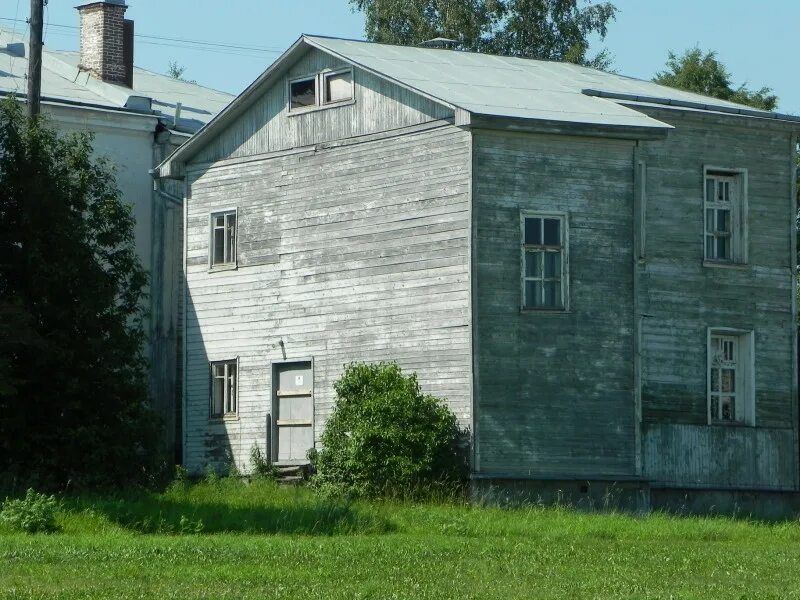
35, 59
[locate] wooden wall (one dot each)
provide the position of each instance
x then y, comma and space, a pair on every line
555, 391
355, 252
267, 125
680, 298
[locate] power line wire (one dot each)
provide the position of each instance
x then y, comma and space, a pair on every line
194, 43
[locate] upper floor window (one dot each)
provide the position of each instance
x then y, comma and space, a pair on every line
322, 89
223, 388
223, 238
725, 237
544, 261
730, 377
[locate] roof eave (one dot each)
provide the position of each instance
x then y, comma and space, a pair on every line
580, 129
173, 165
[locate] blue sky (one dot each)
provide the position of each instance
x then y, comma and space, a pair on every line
754, 39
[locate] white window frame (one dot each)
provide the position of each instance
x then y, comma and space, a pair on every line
319, 90
564, 251
739, 215
232, 263
230, 405
309, 77
744, 382
323, 87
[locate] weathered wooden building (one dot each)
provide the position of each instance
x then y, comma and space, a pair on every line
597, 272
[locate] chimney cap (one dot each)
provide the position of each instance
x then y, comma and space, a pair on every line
95, 2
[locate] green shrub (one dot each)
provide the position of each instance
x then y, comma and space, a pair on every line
259, 466
31, 514
386, 438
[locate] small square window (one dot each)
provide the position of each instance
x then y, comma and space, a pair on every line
223, 388
544, 276
303, 93
338, 87
223, 238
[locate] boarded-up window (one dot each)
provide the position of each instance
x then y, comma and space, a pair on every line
223, 388
338, 86
303, 93
730, 377
223, 238
725, 235
544, 273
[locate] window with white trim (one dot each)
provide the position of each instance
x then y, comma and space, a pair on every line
327, 88
223, 401
544, 261
730, 377
725, 209
223, 238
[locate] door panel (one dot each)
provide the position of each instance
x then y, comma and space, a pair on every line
294, 411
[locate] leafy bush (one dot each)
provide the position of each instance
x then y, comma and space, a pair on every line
31, 514
259, 466
386, 438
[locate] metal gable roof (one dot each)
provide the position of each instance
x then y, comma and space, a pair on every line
491, 85
62, 81
486, 85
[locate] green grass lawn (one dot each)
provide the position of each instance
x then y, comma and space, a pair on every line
261, 541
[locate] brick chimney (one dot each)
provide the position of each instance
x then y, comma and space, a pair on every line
103, 41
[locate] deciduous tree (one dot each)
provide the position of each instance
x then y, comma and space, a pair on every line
547, 29
703, 73
74, 401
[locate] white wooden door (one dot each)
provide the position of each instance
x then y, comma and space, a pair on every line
294, 419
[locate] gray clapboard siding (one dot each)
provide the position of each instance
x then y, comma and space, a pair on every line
555, 391
688, 456
267, 126
369, 260
680, 298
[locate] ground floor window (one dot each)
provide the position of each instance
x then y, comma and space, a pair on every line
223, 388
730, 377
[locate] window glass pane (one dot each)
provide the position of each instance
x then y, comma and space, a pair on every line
219, 221
710, 247
728, 380
303, 93
533, 231
723, 220
231, 388
552, 236
552, 293
722, 248
231, 238
710, 224
552, 264
219, 246
714, 380
728, 407
533, 264
217, 395
715, 407
710, 190
533, 294
338, 87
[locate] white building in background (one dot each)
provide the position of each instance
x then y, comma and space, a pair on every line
137, 117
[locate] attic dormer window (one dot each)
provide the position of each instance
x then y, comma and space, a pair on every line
322, 90
303, 93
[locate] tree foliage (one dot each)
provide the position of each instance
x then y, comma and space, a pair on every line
703, 73
545, 29
386, 437
73, 397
